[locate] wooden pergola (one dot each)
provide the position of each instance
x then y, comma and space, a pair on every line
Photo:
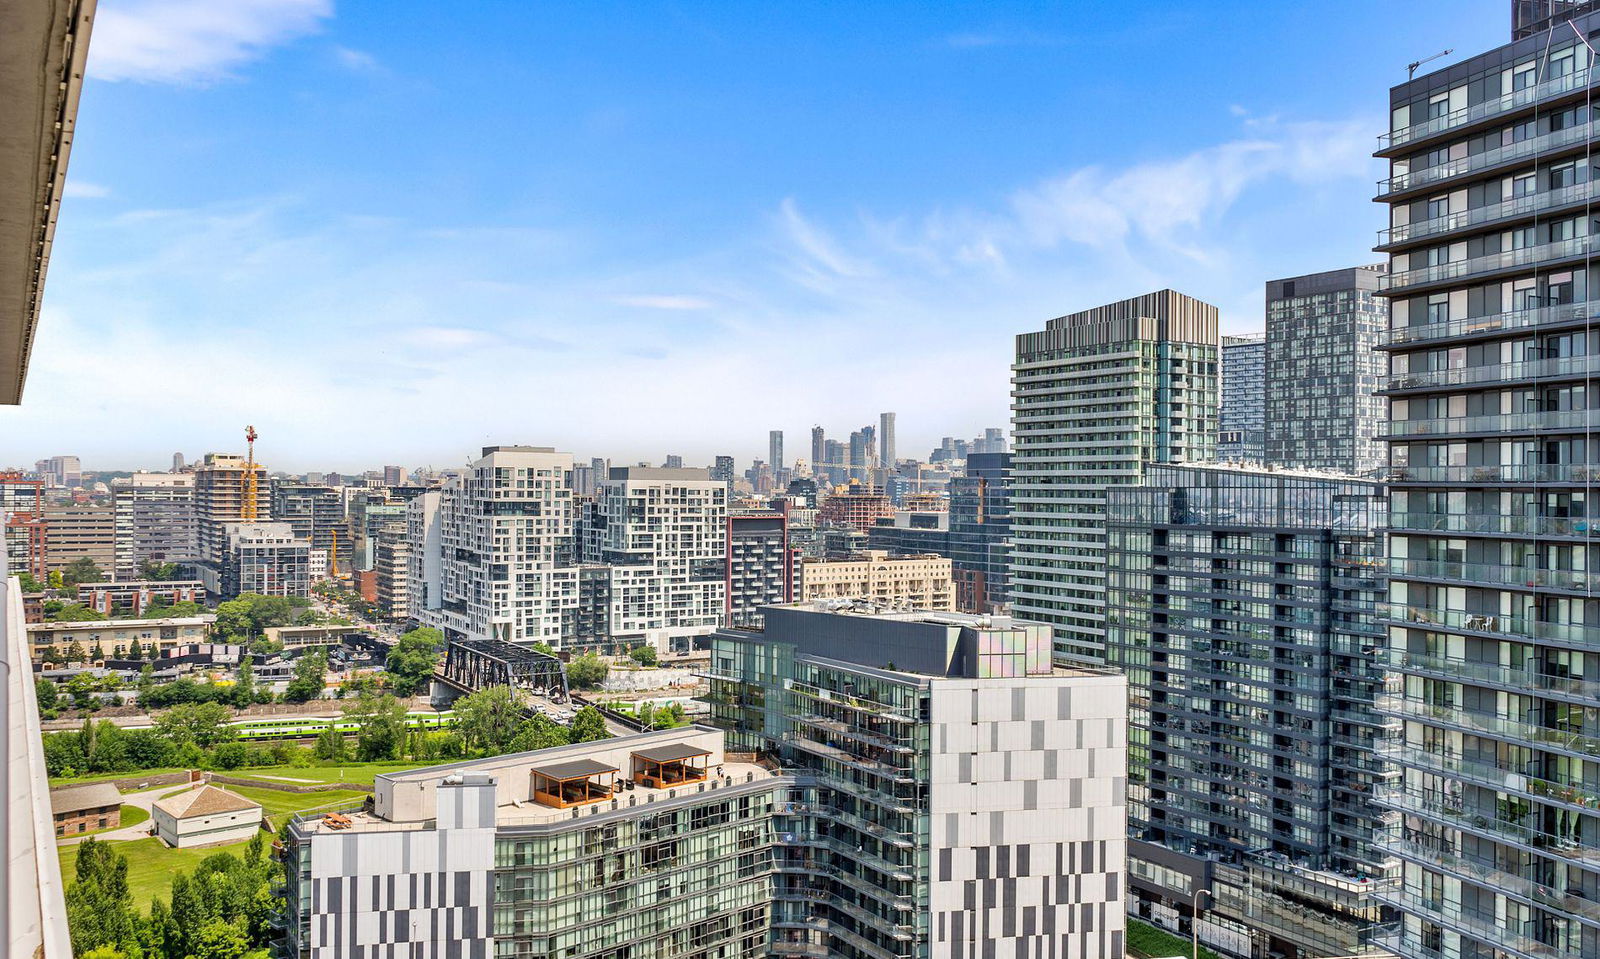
574, 783
670, 765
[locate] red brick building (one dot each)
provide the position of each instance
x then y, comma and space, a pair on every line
81, 809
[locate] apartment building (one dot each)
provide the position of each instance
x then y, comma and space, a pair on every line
265, 558
75, 532
138, 595
662, 532
316, 514
1097, 396
980, 533
960, 797
50, 642
760, 566
914, 582
1492, 621
392, 563
857, 505
154, 520
221, 487
1323, 371
848, 820
1241, 419
1241, 607
488, 549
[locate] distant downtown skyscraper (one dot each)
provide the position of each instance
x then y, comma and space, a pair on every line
886, 440
775, 450
1323, 371
819, 449
1096, 396
1494, 624
1242, 420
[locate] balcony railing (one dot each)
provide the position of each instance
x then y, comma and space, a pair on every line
1495, 574
1516, 206
1494, 523
1493, 674
1572, 741
1496, 879
1492, 776
1504, 103
1496, 473
1486, 929
1432, 807
1456, 269
1497, 373
1494, 322
1500, 423
1488, 159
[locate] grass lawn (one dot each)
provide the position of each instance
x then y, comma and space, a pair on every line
101, 777
150, 866
275, 803
1148, 940
359, 773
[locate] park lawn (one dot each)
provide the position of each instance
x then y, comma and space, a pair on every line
100, 777
151, 865
275, 802
359, 773
1147, 940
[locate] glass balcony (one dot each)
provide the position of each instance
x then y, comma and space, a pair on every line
1494, 322
1499, 624
1431, 807
1488, 159
1499, 423
1517, 206
1493, 777
1496, 373
1573, 248
1574, 742
1495, 574
1505, 103
1486, 929
1523, 888
1496, 473
1493, 674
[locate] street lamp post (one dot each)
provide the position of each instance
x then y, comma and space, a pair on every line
1194, 919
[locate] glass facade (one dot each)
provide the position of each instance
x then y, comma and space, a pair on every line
980, 532
1494, 632
1323, 371
1242, 418
1096, 397
1241, 604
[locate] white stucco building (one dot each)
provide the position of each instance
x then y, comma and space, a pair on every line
205, 816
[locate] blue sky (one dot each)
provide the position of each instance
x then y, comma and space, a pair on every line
391, 232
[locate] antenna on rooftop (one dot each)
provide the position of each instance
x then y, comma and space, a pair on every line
1411, 68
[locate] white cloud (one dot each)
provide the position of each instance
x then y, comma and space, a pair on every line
190, 41
357, 61
669, 301
85, 189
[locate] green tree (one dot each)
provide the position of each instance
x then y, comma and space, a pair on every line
173, 610
187, 914
99, 906
412, 659
136, 651
203, 724
380, 725
310, 678
643, 655
159, 572
587, 671
81, 570
488, 720
589, 726
56, 611
230, 755
29, 584
45, 692
539, 732
244, 691
330, 744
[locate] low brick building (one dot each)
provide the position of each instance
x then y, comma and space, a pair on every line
81, 809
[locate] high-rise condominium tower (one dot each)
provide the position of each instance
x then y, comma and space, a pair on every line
886, 454
221, 489
1096, 396
1242, 419
1323, 369
154, 520
775, 449
819, 450
1494, 624
486, 549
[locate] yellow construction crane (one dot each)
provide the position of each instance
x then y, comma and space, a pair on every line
247, 510
333, 555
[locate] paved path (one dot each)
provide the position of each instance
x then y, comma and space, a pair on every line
143, 800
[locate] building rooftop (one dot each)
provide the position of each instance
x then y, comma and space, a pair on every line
203, 801
1266, 469
205, 619
79, 798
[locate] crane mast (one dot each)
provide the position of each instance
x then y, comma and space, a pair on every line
247, 509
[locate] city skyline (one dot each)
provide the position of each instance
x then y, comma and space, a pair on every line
306, 272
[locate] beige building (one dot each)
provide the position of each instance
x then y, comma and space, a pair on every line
75, 532
920, 582
115, 636
205, 816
